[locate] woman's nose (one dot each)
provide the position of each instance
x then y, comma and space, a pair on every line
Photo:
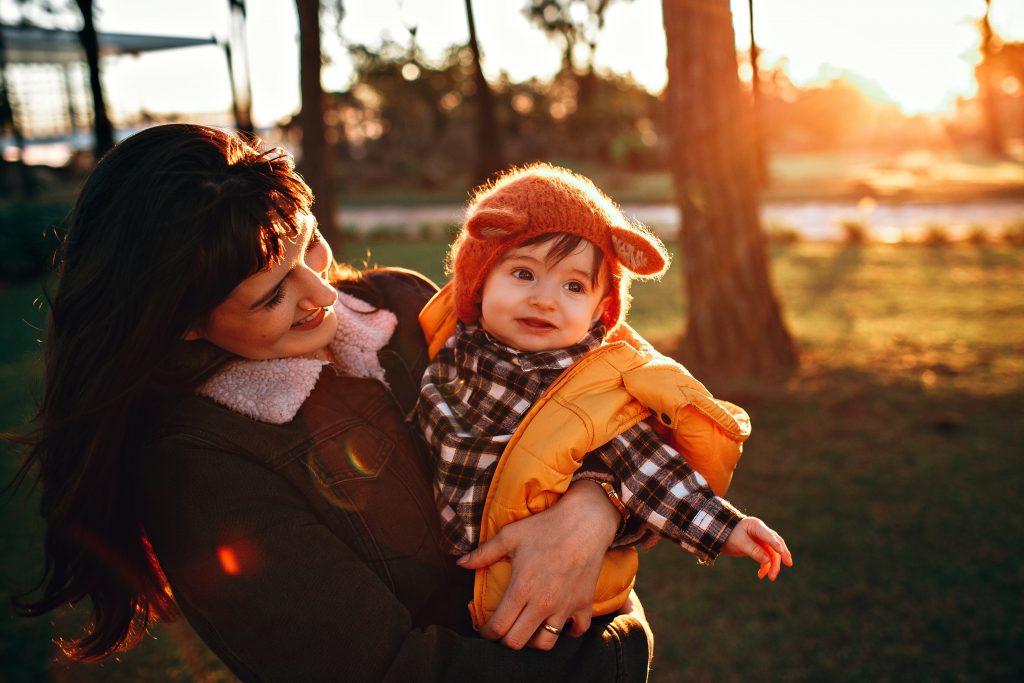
319, 293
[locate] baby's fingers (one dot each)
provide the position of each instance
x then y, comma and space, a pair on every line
768, 538
770, 566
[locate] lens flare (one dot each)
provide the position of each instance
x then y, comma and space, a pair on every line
229, 560
357, 462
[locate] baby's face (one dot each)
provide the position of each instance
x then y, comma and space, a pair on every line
533, 305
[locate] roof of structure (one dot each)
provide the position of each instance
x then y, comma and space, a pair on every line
32, 45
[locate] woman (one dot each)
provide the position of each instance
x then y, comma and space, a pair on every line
215, 409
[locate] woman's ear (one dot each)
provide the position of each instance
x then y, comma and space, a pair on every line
191, 335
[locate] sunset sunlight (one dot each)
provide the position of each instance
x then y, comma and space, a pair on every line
376, 340
919, 54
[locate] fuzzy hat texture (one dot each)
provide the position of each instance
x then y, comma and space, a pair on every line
526, 202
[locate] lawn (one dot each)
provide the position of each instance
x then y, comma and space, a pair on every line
920, 175
891, 461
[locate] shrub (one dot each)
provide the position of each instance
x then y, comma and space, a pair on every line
978, 235
936, 235
438, 230
781, 233
390, 232
855, 231
1013, 235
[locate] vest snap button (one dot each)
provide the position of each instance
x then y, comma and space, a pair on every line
666, 419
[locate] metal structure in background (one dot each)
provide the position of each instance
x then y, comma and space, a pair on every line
48, 83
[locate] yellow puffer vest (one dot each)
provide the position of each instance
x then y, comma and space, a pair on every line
609, 390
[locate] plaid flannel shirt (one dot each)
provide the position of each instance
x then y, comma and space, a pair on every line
475, 393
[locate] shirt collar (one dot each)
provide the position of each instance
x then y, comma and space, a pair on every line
556, 359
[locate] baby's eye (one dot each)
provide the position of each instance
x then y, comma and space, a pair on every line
575, 287
522, 274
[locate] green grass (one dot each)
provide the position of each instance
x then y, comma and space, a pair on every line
916, 175
891, 462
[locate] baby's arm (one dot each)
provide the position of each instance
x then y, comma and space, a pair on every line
755, 539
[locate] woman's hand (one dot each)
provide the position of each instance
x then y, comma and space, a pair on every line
556, 558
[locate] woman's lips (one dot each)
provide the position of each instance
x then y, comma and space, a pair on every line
311, 321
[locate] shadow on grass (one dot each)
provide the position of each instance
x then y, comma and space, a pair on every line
898, 499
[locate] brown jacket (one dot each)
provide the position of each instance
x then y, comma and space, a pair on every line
309, 550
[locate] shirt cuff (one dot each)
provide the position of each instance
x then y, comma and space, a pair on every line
711, 534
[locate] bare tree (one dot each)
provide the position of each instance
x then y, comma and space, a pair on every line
757, 122
19, 180
241, 102
489, 157
103, 130
317, 155
734, 326
576, 23
986, 87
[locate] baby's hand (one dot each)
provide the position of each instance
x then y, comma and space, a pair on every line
754, 538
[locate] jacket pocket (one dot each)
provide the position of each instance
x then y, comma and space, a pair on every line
355, 454
374, 489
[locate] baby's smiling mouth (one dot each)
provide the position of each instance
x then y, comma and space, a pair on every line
536, 323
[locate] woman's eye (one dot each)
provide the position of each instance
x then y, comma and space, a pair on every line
276, 299
314, 240
575, 287
522, 274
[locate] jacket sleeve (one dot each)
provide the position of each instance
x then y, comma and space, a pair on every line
404, 359
278, 597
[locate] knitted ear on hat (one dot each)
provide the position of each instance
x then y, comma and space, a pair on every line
639, 252
488, 223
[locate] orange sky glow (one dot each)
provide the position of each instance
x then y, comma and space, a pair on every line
918, 54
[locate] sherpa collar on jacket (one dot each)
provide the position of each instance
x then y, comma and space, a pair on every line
273, 390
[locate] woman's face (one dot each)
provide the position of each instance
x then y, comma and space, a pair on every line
284, 311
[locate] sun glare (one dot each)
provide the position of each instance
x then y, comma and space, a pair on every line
919, 54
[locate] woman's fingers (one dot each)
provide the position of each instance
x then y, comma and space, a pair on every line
555, 564
527, 624
506, 615
487, 553
548, 634
579, 622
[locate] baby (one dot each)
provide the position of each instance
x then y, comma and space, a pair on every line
540, 284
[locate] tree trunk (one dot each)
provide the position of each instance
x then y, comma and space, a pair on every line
986, 91
241, 102
317, 157
17, 181
734, 326
489, 158
103, 131
757, 129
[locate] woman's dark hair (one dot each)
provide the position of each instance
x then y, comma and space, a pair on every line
165, 227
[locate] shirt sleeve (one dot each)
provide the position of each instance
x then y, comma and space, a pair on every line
666, 494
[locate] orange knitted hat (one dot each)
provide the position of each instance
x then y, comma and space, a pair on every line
526, 202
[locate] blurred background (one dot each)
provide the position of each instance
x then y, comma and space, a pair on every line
842, 187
